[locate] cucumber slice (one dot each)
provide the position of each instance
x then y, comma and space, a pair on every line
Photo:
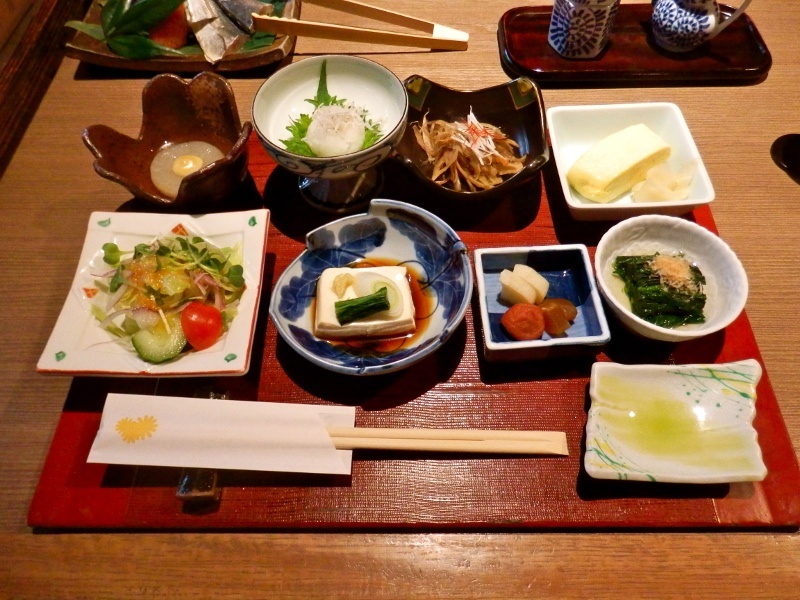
156, 344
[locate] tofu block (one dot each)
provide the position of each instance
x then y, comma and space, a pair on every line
516, 290
612, 166
327, 326
539, 283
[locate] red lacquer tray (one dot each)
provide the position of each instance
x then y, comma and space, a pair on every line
453, 388
737, 55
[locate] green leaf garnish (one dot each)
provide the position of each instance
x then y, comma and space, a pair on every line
95, 31
111, 13
111, 253
653, 300
142, 16
299, 127
258, 40
116, 281
236, 275
135, 46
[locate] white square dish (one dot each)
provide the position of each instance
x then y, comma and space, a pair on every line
79, 346
574, 129
674, 423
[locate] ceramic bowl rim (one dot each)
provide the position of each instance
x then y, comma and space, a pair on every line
446, 333
645, 328
325, 160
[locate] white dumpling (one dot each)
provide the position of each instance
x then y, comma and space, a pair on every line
335, 130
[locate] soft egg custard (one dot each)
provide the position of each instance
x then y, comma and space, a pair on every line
175, 161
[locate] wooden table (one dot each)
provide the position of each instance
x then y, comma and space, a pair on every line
47, 192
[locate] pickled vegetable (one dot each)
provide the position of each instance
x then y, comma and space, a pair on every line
524, 322
557, 315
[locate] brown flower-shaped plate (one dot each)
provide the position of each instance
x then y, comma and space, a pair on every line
176, 111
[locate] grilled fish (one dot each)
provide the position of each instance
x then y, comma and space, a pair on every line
241, 12
216, 34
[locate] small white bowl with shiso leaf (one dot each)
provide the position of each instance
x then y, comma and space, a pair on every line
669, 279
615, 161
332, 120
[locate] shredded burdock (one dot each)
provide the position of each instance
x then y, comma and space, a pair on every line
467, 155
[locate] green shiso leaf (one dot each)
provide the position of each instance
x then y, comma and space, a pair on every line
142, 16
299, 127
89, 29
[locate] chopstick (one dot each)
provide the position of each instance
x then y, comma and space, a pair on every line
450, 440
439, 38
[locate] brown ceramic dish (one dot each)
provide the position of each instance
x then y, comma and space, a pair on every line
89, 50
176, 111
515, 107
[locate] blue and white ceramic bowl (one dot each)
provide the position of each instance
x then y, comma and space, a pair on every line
390, 231
368, 85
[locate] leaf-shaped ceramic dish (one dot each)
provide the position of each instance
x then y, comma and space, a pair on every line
674, 423
176, 111
79, 346
87, 49
391, 232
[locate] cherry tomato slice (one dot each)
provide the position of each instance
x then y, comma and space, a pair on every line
202, 324
523, 322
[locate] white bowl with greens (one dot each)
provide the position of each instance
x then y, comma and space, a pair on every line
669, 279
332, 120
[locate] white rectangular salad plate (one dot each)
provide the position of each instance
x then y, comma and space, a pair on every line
674, 423
79, 346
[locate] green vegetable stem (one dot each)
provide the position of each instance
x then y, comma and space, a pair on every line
354, 309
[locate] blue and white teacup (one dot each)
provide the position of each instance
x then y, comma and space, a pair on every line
683, 25
580, 28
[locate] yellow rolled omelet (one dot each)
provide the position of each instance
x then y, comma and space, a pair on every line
612, 166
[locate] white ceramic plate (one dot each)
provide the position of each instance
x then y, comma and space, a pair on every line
78, 346
674, 423
574, 129
726, 285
